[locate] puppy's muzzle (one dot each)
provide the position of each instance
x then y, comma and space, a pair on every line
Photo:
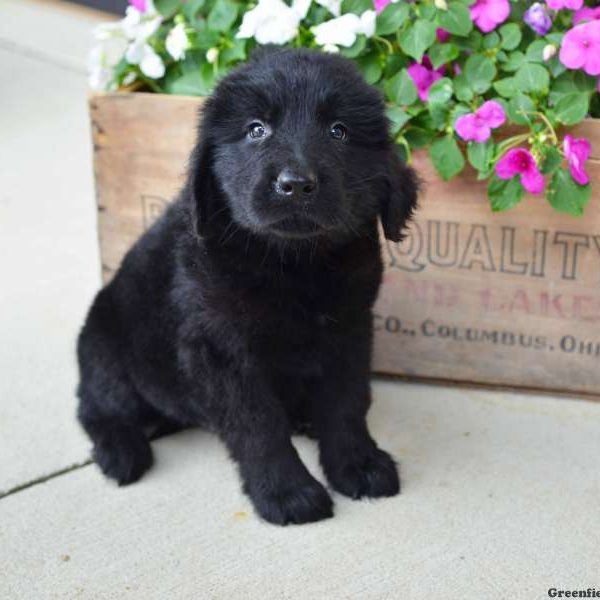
293, 184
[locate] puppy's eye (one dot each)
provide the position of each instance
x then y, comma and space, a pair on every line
338, 132
256, 130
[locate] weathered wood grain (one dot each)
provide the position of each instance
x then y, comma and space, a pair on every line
509, 299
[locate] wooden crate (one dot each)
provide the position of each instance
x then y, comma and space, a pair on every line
506, 299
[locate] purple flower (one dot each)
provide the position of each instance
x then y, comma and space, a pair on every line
538, 19
580, 48
442, 35
380, 4
477, 126
586, 14
424, 76
577, 151
569, 4
519, 161
488, 14
139, 5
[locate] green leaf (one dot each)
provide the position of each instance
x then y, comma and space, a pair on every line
504, 193
511, 36
513, 62
427, 11
506, 87
552, 160
446, 157
235, 53
416, 38
391, 18
491, 40
418, 137
480, 154
572, 81
518, 107
479, 71
199, 82
456, 19
532, 78
535, 52
370, 67
356, 48
401, 89
356, 6
398, 118
566, 195
462, 89
572, 108
223, 15
440, 54
440, 92
439, 116
167, 7
191, 8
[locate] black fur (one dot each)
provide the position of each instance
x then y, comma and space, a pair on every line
250, 313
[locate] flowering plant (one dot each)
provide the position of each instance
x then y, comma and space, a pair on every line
457, 74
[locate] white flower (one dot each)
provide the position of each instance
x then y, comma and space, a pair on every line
331, 48
150, 63
333, 6
212, 54
129, 78
125, 38
548, 52
343, 30
108, 52
177, 42
273, 21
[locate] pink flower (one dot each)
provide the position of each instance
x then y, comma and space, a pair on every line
559, 4
380, 4
577, 151
442, 35
139, 5
424, 76
519, 161
488, 14
580, 48
477, 126
586, 14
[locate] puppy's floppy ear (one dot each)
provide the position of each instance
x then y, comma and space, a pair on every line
201, 189
200, 186
399, 200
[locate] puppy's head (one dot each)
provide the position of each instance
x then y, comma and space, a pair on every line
295, 144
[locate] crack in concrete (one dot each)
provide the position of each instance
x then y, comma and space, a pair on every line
44, 478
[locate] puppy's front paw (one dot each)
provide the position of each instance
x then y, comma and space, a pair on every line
122, 453
369, 474
294, 502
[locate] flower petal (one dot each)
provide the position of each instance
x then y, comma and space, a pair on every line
492, 114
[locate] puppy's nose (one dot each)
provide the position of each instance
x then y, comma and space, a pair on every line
299, 184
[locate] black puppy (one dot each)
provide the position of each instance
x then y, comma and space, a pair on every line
247, 307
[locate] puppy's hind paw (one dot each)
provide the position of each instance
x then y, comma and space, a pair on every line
123, 453
372, 475
300, 503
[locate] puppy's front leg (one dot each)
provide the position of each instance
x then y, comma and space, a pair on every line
353, 463
279, 485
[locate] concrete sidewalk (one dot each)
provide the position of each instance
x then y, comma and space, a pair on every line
500, 491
